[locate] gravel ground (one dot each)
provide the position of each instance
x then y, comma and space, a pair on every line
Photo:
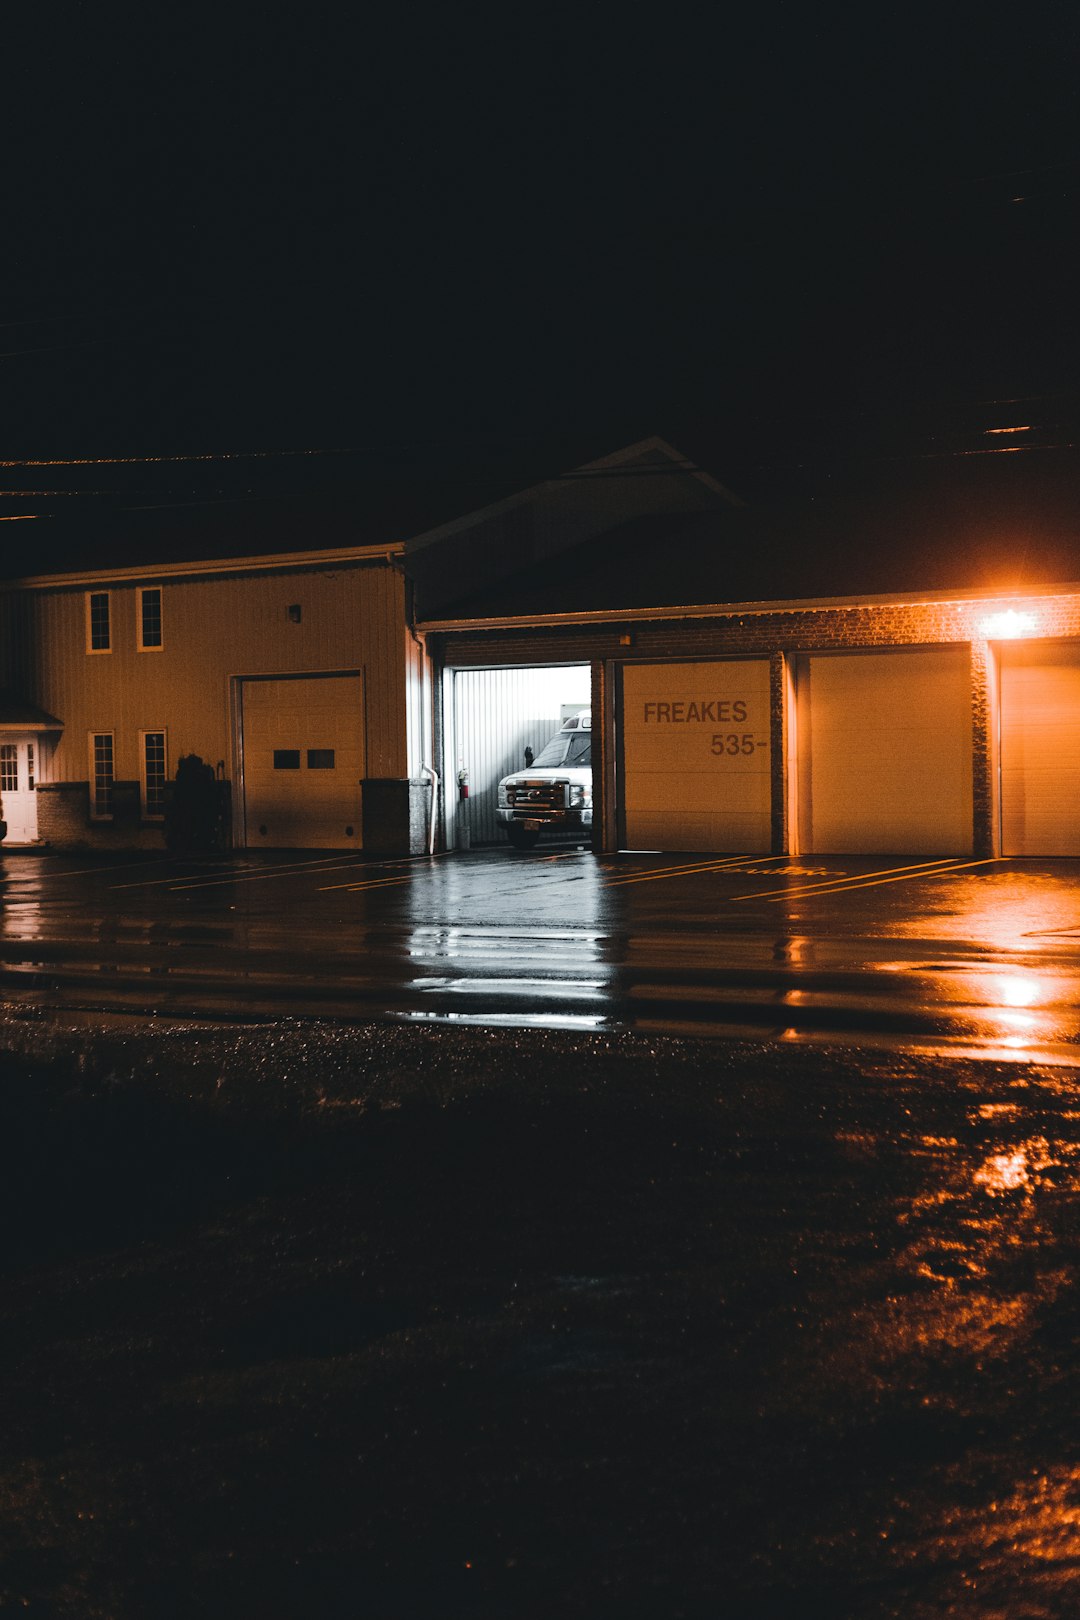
402, 1321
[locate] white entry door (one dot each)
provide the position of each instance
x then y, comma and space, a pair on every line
18, 801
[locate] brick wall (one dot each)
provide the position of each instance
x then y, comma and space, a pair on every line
63, 810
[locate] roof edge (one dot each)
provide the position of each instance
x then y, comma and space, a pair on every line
839, 604
606, 465
263, 562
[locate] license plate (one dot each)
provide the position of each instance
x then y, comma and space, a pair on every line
533, 826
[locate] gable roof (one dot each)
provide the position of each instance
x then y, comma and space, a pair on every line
343, 507
539, 526
991, 529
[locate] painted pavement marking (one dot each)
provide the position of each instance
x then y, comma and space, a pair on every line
869, 880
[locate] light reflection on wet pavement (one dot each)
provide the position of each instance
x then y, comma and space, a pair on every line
782, 1322
972, 957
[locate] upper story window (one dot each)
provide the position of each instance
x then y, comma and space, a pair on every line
151, 635
98, 622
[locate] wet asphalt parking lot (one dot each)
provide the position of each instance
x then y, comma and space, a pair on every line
502, 1237
956, 955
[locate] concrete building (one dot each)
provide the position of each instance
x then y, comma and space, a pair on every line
812, 685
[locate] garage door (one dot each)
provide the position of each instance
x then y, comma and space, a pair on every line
884, 750
695, 756
1040, 750
303, 762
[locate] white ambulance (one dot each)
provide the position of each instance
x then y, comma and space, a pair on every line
552, 795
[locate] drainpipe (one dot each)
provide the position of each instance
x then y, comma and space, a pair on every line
429, 696
429, 770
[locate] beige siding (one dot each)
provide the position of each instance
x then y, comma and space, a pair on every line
215, 629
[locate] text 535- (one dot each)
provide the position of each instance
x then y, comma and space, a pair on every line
733, 742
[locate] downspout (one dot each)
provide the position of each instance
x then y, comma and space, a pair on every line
428, 698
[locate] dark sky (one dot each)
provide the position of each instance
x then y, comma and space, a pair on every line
794, 239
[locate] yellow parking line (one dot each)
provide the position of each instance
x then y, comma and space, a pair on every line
655, 873
148, 883
372, 883
92, 871
869, 880
277, 871
376, 883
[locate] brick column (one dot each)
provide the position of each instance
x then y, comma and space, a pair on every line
983, 751
599, 677
778, 753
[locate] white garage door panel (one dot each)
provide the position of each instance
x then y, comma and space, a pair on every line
309, 806
696, 756
890, 764
1040, 750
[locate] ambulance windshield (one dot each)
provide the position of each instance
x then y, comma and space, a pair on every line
565, 748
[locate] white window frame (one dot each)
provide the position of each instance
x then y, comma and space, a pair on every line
92, 737
91, 649
13, 761
139, 594
152, 731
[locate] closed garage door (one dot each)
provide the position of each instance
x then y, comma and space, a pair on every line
1040, 750
884, 750
303, 762
695, 756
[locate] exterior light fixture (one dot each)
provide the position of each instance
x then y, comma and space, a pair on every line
1007, 626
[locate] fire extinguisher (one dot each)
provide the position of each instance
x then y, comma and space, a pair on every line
464, 836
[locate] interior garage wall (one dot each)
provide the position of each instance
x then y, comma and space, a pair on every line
497, 712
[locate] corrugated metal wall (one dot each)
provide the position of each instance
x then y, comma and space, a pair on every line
496, 713
214, 629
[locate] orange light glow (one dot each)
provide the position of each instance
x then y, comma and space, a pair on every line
1002, 1173
1019, 990
1007, 626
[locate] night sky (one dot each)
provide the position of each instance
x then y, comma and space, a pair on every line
812, 247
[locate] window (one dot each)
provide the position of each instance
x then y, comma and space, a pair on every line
154, 773
101, 775
566, 748
320, 759
30, 766
9, 768
286, 759
151, 638
98, 632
